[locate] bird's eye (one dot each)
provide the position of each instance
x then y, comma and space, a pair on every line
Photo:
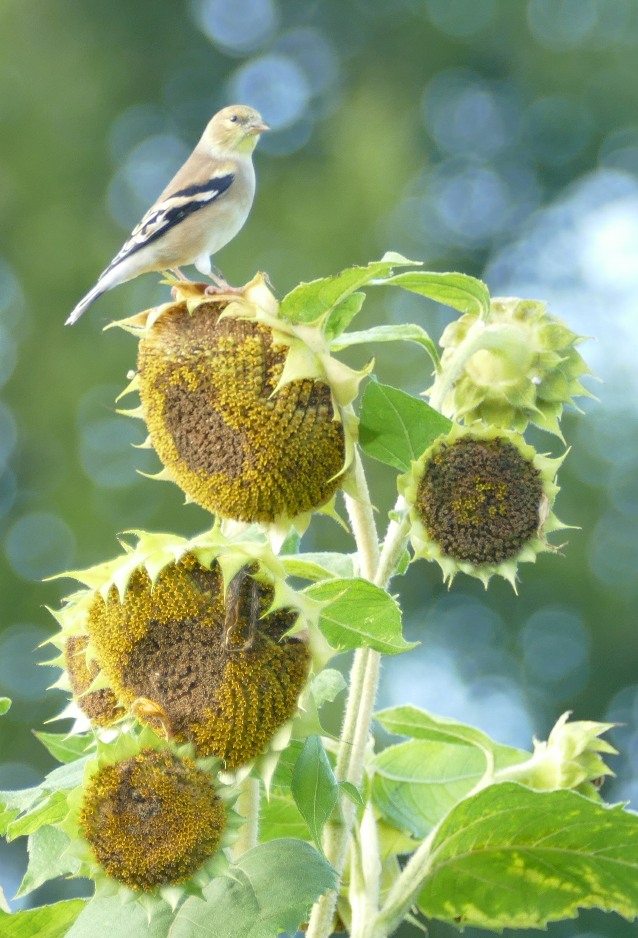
233, 118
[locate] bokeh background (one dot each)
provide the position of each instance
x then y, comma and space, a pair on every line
496, 137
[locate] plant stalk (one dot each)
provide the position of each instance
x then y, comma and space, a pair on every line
364, 678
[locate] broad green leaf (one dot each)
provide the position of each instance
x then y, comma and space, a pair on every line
360, 615
111, 918
49, 921
47, 859
49, 811
63, 747
399, 332
416, 783
343, 314
393, 842
280, 817
5, 703
4, 905
408, 720
395, 427
314, 786
308, 302
466, 294
510, 857
321, 565
270, 889
286, 765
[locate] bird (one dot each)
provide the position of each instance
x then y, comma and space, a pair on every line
201, 209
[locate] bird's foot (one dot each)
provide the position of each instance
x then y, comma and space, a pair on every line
219, 285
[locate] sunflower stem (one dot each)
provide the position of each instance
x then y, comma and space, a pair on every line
364, 678
248, 807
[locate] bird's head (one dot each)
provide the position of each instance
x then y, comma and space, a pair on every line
235, 128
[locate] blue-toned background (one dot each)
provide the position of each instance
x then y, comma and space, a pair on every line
497, 137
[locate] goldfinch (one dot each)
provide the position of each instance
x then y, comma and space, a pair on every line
201, 209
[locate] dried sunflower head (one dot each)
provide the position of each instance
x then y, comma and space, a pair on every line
199, 639
246, 411
480, 502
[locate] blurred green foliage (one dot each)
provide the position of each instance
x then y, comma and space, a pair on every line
467, 133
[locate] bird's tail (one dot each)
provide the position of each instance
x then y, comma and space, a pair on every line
85, 302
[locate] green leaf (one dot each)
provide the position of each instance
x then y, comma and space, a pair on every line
308, 302
280, 817
360, 615
65, 777
47, 859
399, 332
395, 427
314, 786
343, 314
408, 720
63, 747
352, 792
111, 918
51, 810
416, 783
49, 921
466, 294
5, 703
13, 802
327, 685
510, 857
321, 565
270, 889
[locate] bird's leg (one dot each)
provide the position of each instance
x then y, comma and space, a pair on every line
177, 272
220, 285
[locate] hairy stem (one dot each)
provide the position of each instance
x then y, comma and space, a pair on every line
364, 679
248, 807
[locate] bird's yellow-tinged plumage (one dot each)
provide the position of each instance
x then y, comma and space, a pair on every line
200, 210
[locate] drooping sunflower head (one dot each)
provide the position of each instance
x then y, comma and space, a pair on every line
480, 502
241, 407
151, 820
201, 640
521, 366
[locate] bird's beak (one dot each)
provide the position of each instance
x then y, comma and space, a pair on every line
258, 129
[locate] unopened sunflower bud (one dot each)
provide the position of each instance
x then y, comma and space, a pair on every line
519, 367
570, 758
480, 503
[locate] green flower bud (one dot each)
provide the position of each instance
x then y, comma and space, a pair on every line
519, 367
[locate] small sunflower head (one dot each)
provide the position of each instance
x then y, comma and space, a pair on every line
519, 367
152, 822
241, 407
480, 502
201, 641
